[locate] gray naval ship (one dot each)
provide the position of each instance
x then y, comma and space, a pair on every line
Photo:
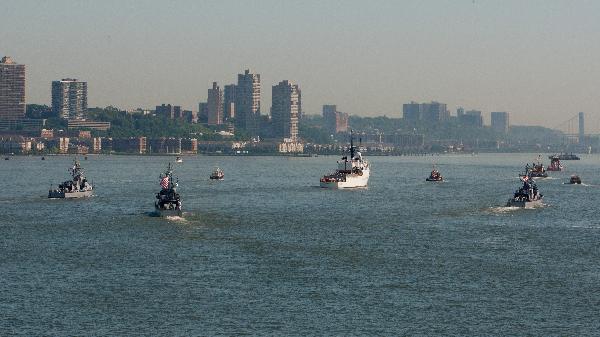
168, 201
77, 187
527, 196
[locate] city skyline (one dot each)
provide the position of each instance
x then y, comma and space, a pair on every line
533, 59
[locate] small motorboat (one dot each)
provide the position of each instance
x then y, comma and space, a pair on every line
575, 179
179, 160
555, 164
217, 174
435, 175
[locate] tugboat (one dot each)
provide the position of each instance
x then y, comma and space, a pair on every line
555, 164
575, 180
537, 170
527, 196
217, 174
178, 160
168, 201
351, 172
78, 187
435, 175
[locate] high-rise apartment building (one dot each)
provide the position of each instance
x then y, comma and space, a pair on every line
335, 121
12, 89
229, 101
500, 121
215, 105
472, 118
429, 113
284, 110
169, 111
69, 98
247, 103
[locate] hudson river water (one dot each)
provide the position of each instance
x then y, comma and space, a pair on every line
267, 252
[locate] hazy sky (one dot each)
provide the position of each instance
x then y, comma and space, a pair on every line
539, 60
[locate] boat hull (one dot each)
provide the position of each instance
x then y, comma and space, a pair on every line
524, 204
69, 195
434, 180
352, 181
167, 212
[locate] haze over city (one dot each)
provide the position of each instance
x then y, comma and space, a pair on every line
536, 59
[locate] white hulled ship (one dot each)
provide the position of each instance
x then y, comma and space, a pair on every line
527, 196
77, 187
351, 172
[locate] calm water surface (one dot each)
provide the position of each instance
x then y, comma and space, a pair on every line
267, 252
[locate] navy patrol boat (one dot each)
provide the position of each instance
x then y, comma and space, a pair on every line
77, 187
168, 201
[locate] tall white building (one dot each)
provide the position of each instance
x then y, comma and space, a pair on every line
247, 103
69, 98
285, 109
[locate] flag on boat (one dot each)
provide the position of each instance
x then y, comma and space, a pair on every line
164, 182
525, 178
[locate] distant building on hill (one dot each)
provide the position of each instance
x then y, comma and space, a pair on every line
500, 121
214, 105
429, 113
69, 98
335, 121
12, 89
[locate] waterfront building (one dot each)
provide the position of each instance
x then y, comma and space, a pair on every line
247, 103
500, 121
69, 98
229, 101
335, 121
12, 89
214, 105
284, 110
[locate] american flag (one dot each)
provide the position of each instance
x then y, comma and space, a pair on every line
164, 182
525, 178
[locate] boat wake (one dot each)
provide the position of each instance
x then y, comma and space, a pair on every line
503, 209
175, 218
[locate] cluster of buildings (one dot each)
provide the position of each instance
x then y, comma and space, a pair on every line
239, 105
434, 113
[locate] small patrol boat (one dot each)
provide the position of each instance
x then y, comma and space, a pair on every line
77, 187
527, 196
575, 179
168, 201
435, 175
217, 174
351, 172
565, 156
536, 170
179, 160
555, 164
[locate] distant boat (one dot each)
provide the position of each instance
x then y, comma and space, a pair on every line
435, 175
537, 170
575, 179
555, 164
179, 160
77, 187
217, 174
43, 158
565, 156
